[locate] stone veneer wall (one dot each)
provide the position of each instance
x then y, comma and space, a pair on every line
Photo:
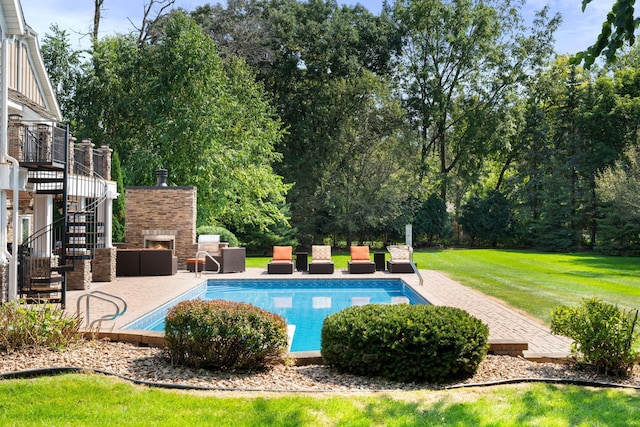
104, 265
79, 279
162, 210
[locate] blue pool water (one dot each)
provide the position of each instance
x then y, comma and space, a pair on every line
303, 303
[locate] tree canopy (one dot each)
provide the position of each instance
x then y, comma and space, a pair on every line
453, 115
619, 28
175, 104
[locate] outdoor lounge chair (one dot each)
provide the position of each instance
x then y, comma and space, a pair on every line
321, 262
400, 261
361, 261
282, 262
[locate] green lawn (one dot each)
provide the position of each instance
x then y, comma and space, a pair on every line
538, 282
83, 400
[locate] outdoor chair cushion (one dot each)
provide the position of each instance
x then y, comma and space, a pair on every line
320, 253
282, 253
399, 252
360, 253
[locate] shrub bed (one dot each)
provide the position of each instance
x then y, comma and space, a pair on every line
224, 335
603, 335
410, 343
44, 325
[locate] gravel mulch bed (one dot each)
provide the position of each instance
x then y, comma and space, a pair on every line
147, 364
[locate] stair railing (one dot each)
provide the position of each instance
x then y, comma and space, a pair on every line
46, 255
414, 266
94, 188
112, 299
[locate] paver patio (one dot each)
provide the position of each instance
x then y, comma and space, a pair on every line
144, 294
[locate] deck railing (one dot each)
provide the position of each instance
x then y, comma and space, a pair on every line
37, 143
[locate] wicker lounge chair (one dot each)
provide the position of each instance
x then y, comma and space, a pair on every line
360, 261
282, 262
400, 261
321, 262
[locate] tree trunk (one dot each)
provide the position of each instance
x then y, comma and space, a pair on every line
96, 18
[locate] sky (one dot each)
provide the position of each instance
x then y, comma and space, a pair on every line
577, 32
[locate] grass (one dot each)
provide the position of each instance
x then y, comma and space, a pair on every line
100, 401
537, 282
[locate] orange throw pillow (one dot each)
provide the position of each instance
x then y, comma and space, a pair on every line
360, 253
282, 253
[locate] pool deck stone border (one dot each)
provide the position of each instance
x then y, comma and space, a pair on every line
510, 332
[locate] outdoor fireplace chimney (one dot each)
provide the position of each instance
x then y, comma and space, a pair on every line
161, 175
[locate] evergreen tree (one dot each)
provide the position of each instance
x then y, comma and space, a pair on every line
118, 215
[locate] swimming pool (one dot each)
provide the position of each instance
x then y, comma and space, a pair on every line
303, 303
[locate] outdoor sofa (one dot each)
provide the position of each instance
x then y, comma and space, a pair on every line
146, 262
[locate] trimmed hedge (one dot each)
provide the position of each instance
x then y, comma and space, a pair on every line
224, 335
410, 343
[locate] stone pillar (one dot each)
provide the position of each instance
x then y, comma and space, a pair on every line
87, 147
105, 171
104, 265
80, 278
45, 153
16, 136
71, 152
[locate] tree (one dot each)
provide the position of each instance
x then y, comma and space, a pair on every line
241, 29
571, 131
150, 23
619, 28
363, 186
119, 205
431, 219
63, 66
488, 219
461, 62
97, 14
619, 187
175, 105
317, 48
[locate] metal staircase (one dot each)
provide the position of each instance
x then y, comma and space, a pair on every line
76, 231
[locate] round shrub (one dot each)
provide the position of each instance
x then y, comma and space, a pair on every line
409, 343
224, 335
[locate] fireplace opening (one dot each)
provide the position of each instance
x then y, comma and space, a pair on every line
160, 242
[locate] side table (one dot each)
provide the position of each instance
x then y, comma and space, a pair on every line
378, 259
301, 261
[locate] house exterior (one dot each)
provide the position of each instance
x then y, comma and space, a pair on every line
55, 192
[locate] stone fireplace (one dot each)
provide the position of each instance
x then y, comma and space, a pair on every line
162, 217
